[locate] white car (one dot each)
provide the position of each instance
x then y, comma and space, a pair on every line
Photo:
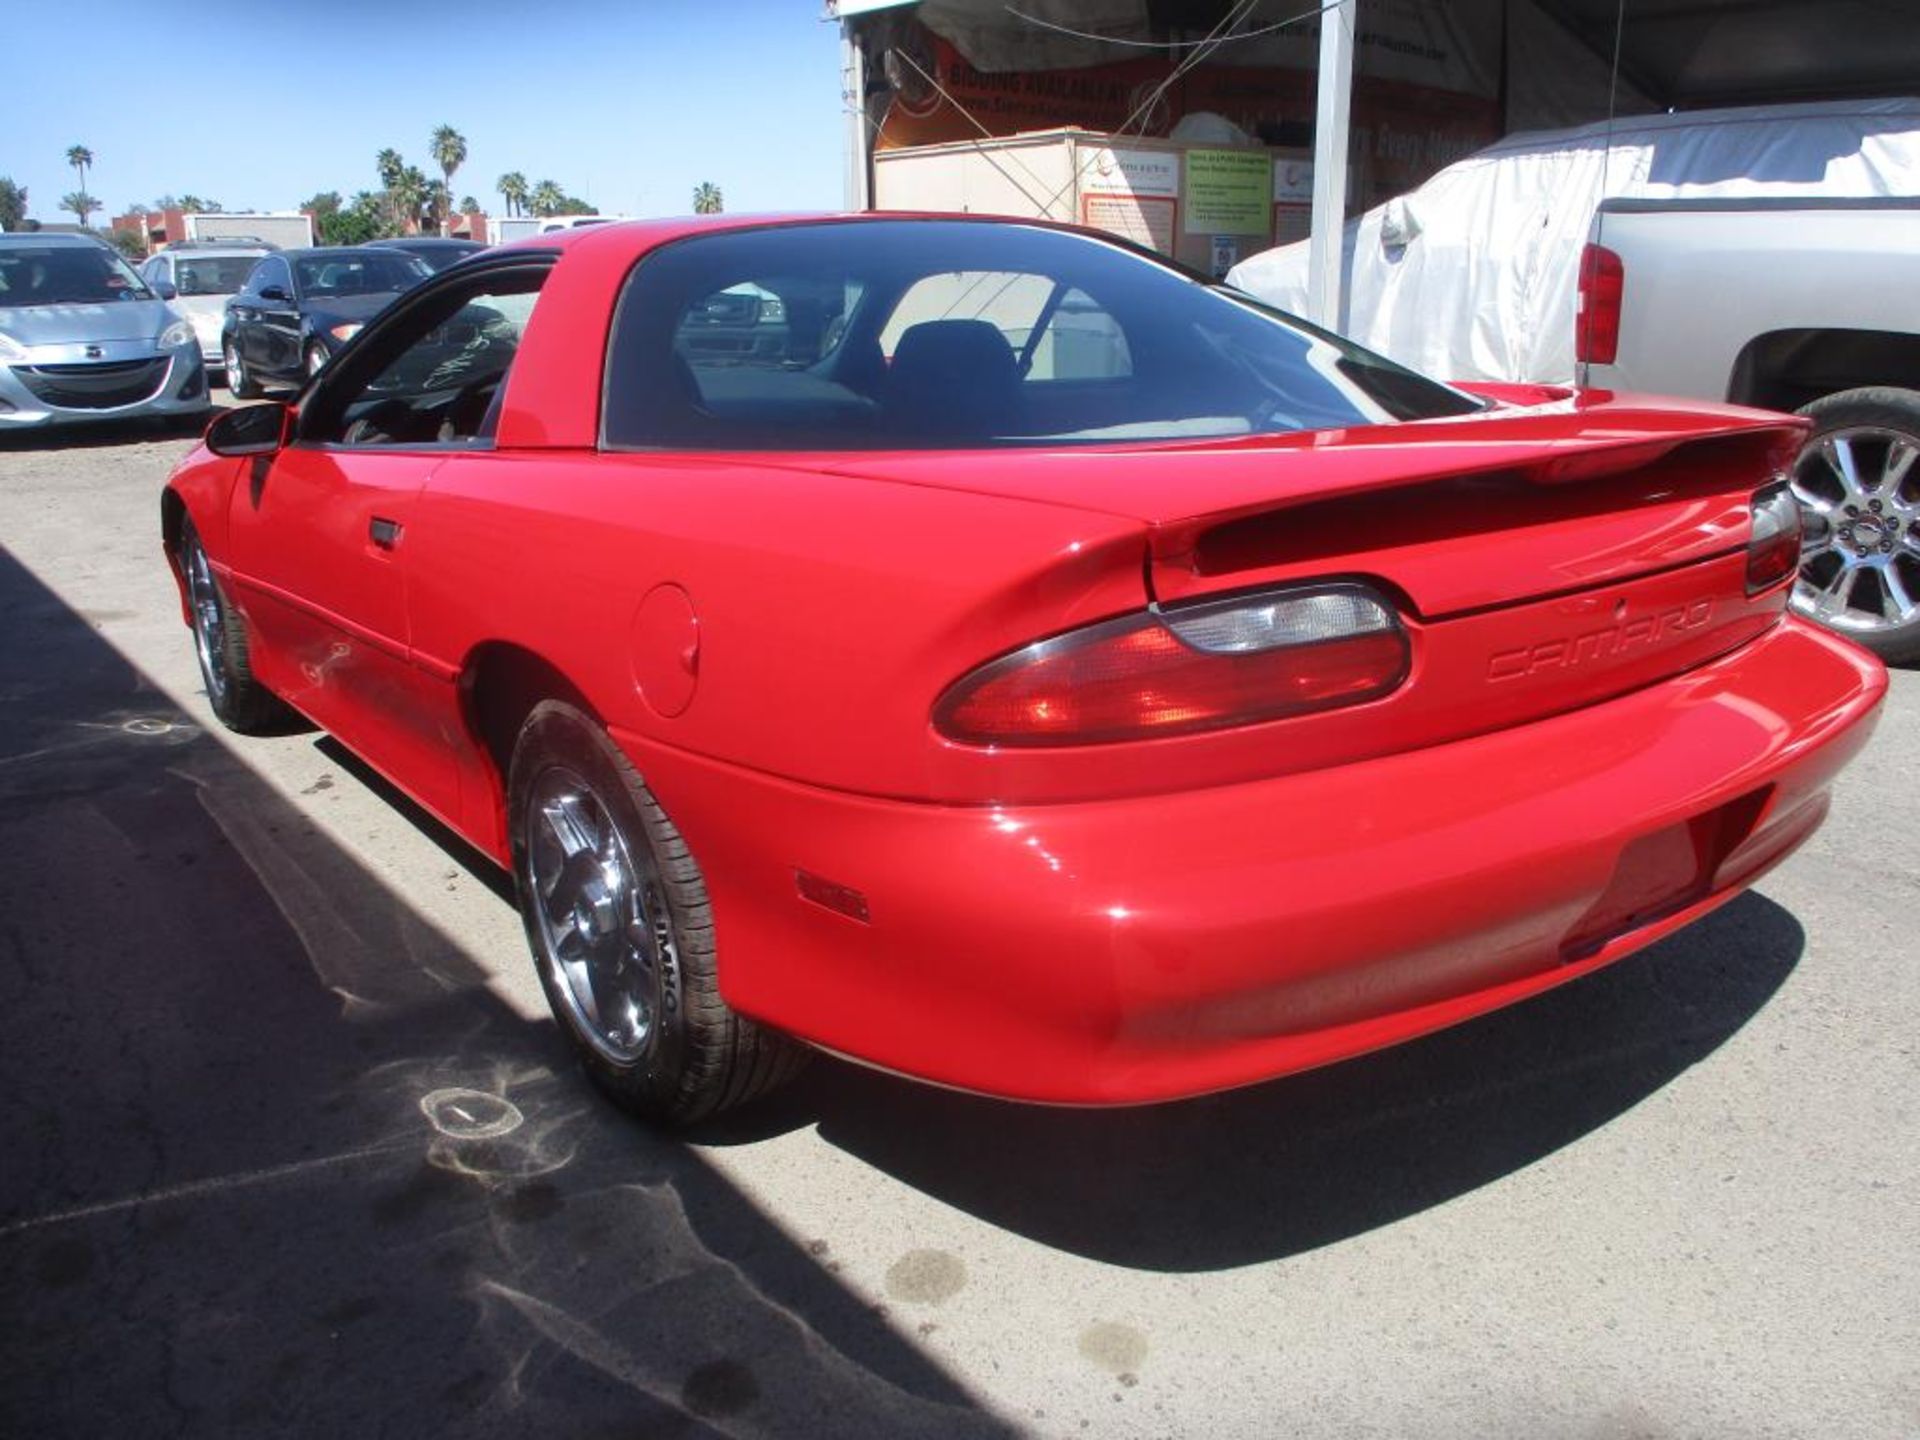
199, 277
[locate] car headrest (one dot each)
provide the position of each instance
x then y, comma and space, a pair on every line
955, 378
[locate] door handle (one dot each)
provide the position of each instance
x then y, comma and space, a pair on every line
383, 532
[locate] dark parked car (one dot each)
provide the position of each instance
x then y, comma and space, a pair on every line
438, 251
300, 306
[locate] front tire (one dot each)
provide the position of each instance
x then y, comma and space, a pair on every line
220, 643
616, 914
240, 383
1858, 483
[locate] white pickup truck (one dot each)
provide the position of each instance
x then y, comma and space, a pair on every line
1791, 304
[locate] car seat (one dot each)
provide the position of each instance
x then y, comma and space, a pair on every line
953, 380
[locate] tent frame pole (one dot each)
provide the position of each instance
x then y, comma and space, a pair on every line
1330, 164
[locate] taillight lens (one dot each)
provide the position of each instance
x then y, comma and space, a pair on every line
1773, 553
1185, 668
1603, 286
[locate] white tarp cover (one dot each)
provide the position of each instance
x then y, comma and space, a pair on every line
1482, 283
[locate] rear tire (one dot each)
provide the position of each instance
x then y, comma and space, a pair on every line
617, 917
240, 383
1858, 482
220, 643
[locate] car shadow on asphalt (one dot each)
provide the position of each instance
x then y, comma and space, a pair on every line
280, 1162
1276, 1169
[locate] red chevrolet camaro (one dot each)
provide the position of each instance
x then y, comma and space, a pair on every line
987, 651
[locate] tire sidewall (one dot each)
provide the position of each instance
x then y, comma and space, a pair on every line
559, 735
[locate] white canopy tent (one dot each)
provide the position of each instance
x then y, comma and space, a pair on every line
1547, 63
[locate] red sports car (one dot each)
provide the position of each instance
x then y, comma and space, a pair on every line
987, 651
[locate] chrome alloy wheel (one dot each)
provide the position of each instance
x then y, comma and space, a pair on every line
209, 623
604, 934
1859, 494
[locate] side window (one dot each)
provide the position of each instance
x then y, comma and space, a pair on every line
154, 271
274, 272
438, 376
1081, 342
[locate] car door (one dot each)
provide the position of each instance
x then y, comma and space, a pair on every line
278, 333
244, 314
321, 534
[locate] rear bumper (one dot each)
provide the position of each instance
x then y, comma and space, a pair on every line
1167, 945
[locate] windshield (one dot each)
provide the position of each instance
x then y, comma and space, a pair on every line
932, 334
361, 273
212, 274
66, 275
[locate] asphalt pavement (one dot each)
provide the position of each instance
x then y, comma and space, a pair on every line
291, 1147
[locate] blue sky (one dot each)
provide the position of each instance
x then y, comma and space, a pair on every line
626, 103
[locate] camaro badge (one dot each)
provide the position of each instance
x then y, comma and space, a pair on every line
1615, 640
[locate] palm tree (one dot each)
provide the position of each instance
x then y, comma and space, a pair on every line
80, 203
706, 199
79, 157
547, 198
513, 189
407, 195
391, 169
449, 153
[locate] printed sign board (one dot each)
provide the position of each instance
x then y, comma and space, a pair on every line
1228, 192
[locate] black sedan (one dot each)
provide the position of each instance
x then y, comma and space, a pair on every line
300, 306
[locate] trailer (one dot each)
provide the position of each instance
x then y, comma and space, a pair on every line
287, 229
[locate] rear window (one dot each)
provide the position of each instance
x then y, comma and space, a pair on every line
918, 334
212, 274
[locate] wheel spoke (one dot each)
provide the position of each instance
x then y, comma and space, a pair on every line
1900, 458
1837, 591
1810, 499
1837, 451
570, 827
1897, 594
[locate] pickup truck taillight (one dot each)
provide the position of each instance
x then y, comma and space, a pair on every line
1596, 326
1178, 669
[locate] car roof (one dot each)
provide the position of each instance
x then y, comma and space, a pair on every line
330, 250
403, 242
204, 251
57, 237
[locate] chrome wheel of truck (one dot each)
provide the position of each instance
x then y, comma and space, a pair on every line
1858, 483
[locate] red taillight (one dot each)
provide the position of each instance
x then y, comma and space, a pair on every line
1603, 285
1192, 667
1774, 551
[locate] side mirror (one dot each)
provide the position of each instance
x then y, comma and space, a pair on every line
166, 290
274, 292
250, 430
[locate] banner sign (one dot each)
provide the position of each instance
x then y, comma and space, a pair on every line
1229, 192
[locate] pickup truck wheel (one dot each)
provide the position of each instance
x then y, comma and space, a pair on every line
616, 913
1858, 484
